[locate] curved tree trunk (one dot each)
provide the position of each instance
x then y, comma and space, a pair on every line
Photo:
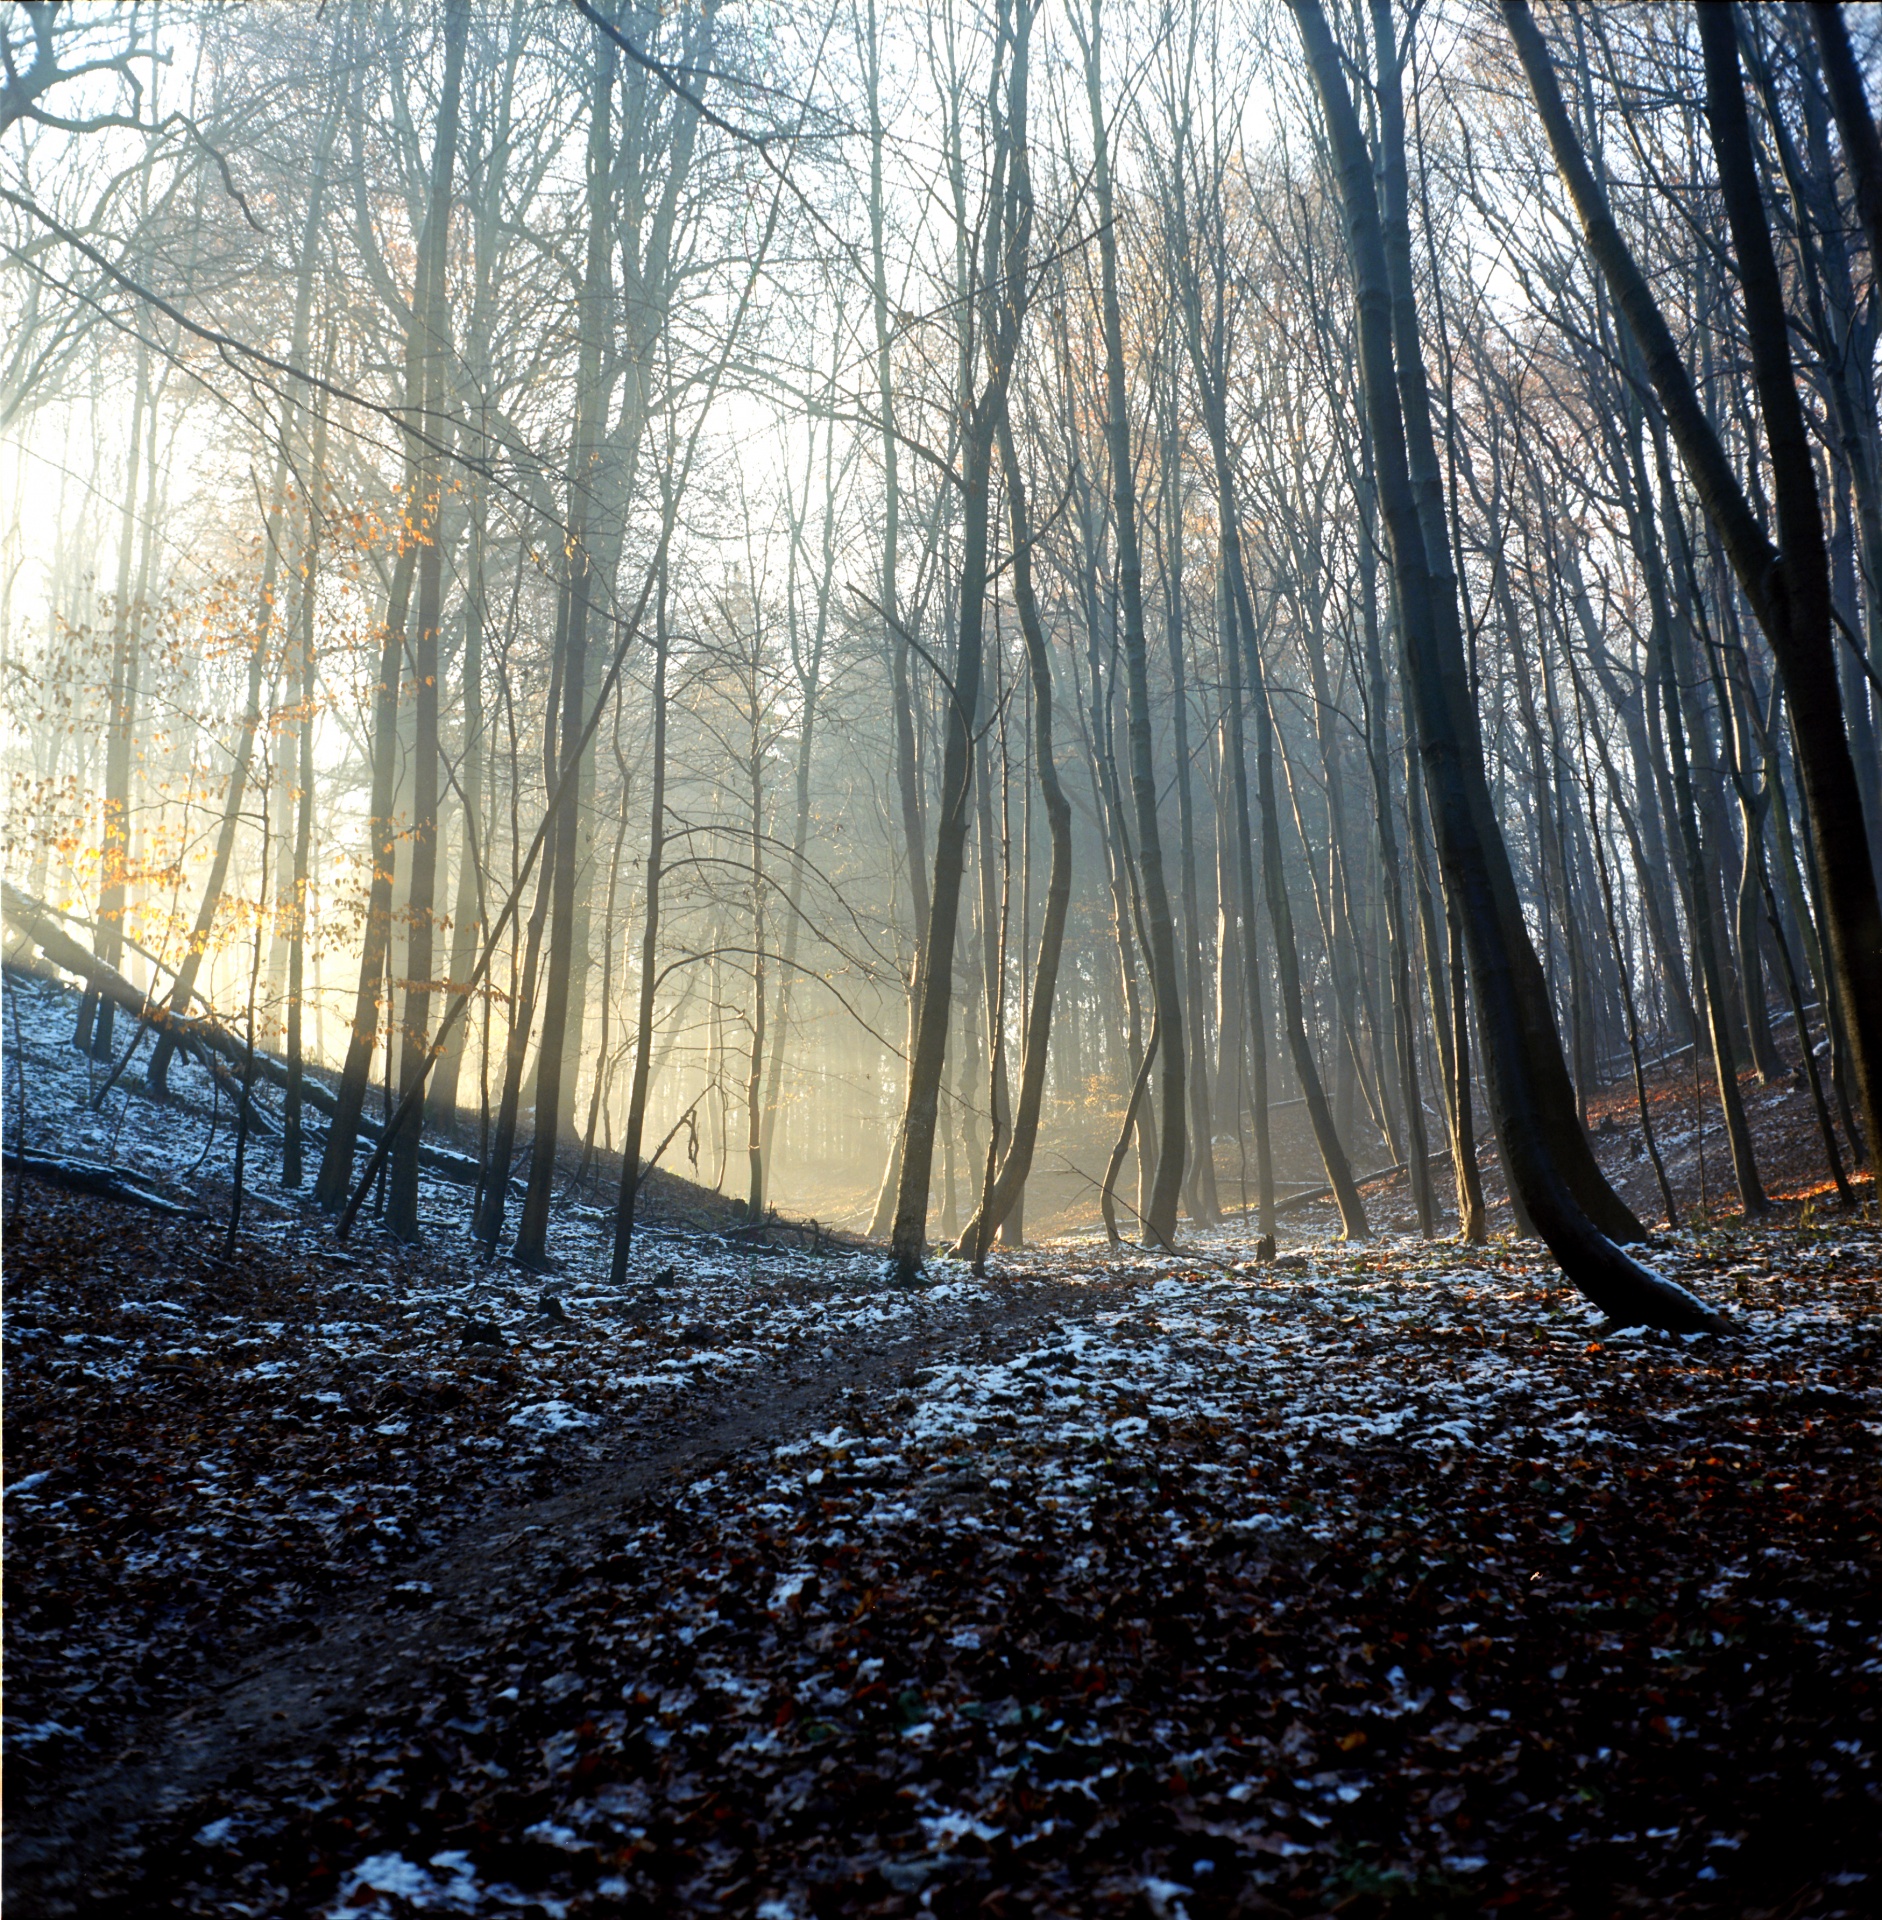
1787, 583
1862, 146
1555, 1104
1476, 867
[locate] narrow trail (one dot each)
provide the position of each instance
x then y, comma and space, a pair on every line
68, 1842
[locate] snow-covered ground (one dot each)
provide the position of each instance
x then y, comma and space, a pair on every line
1148, 1579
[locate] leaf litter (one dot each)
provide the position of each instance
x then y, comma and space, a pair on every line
1385, 1583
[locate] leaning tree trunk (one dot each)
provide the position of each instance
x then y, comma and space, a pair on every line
1476, 864
1787, 583
1862, 147
1555, 1109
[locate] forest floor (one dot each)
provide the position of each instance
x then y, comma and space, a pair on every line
1380, 1580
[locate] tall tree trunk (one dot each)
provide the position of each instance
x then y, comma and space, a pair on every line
95, 1013
993, 883
1379, 760
1001, 297
1552, 1107
1208, 361
293, 1170
332, 1184
1010, 1183
422, 896
467, 913
635, 1127
810, 686
1862, 146
1095, 716
1339, 1169
1160, 1214
951, 827
532, 1238
604, 1057
1230, 540
1204, 1205
755, 1079
1475, 861
894, 637
1787, 583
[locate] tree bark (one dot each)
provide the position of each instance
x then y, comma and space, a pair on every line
634, 1130
1862, 145
293, 1170
1204, 1205
1787, 584
532, 1238
1160, 1213
1379, 760
422, 895
120, 723
895, 639
1554, 1104
1010, 1183
1475, 866
1002, 297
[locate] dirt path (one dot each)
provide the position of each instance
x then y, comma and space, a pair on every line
69, 1841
